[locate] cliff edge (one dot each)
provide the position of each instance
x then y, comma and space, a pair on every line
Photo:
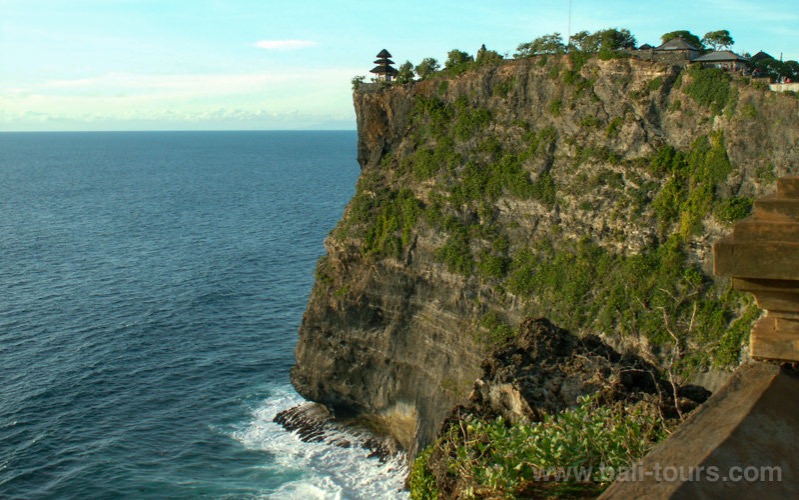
585, 191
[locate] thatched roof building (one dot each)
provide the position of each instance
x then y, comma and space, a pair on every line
724, 59
384, 69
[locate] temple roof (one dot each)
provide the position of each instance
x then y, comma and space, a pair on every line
676, 44
384, 70
760, 56
720, 56
384, 53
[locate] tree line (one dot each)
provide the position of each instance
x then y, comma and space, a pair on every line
605, 43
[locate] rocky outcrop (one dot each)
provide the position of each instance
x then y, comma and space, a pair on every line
546, 369
422, 276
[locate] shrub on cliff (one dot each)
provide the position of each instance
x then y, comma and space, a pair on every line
709, 87
580, 449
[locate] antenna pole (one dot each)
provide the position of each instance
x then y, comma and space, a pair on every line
569, 31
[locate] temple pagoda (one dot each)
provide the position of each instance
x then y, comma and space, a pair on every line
384, 69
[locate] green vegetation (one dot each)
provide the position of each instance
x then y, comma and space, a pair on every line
357, 81
487, 57
405, 73
427, 68
655, 84
690, 191
718, 40
614, 126
609, 43
421, 481
494, 329
603, 42
383, 218
709, 87
733, 209
457, 62
555, 106
503, 88
499, 460
469, 120
547, 44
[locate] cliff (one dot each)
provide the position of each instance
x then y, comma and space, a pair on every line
585, 191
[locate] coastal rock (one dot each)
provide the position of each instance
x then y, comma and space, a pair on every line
313, 423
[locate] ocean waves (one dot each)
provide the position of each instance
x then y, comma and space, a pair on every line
151, 286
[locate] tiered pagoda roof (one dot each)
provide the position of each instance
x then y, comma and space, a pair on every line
384, 68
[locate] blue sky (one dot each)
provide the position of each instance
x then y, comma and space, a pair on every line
275, 64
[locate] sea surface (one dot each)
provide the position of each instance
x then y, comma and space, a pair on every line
151, 286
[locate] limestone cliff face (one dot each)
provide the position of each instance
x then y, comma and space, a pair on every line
428, 267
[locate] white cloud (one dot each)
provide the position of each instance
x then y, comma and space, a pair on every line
284, 44
292, 98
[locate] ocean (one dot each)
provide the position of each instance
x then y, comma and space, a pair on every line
151, 286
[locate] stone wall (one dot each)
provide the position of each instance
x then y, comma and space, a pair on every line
783, 87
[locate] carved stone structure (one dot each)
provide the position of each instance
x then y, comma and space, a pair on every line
762, 256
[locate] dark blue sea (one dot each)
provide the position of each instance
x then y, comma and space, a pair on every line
151, 286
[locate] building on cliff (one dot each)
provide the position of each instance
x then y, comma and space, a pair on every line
384, 69
675, 51
680, 52
723, 59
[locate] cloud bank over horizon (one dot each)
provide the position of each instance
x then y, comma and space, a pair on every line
93, 63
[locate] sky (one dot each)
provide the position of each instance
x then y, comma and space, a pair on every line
288, 64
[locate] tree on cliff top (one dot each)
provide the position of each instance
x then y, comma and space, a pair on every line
718, 40
685, 35
457, 61
485, 56
405, 73
547, 44
602, 40
427, 68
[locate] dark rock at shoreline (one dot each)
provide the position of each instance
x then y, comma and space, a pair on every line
313, 423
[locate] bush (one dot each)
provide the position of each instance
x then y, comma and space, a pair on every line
384, 220
709, 87
469, 121
456, 252
499, 460
733, 209
421, 481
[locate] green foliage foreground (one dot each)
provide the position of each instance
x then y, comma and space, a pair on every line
579, 449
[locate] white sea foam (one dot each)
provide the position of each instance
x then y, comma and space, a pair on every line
322, 470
